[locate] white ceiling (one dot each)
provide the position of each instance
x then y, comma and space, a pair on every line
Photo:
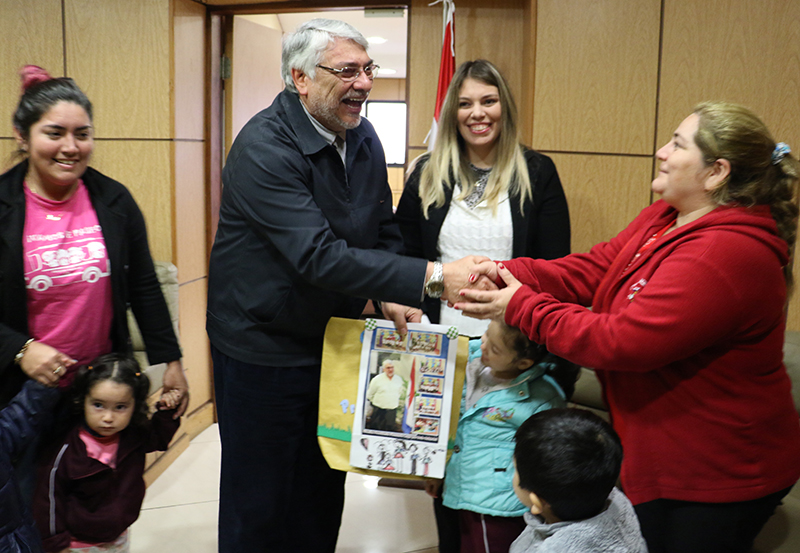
390, 55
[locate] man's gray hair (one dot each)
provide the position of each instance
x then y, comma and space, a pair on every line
304, 48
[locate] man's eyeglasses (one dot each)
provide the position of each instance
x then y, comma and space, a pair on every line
349, 74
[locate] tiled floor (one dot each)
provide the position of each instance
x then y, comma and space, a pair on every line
180, 510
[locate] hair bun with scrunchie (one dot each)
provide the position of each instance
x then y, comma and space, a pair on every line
31, 75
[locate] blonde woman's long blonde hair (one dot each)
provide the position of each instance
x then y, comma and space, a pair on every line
448, 163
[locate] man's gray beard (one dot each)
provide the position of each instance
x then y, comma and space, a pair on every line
326, 114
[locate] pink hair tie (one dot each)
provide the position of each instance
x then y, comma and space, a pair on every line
32, 75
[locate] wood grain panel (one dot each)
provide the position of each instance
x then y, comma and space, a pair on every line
528, 71
396, 183
8, 148
793, 317
424, 52
750, 56
31, 31
145, 168
596, 75
194, 340
604, 193
119, 53
190, 210
256, 79
388, 89
478, 25
189, 69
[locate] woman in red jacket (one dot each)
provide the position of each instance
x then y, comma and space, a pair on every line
685, 331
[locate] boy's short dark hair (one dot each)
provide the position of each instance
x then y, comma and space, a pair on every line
570, 458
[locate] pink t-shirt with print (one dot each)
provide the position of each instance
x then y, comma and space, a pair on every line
67, 276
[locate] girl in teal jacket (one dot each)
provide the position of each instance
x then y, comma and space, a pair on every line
508, 379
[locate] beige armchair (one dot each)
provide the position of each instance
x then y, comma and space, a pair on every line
168, 277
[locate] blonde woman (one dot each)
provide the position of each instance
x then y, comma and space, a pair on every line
480, 191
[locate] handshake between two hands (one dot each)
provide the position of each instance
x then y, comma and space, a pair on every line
470, 285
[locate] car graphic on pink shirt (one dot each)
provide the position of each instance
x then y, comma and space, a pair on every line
62, 264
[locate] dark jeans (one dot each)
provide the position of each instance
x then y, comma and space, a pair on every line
671, 526
277, 492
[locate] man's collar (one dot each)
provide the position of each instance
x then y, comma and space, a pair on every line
325, 132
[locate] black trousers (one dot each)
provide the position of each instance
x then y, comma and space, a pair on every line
277, 492
671, 526
383, 419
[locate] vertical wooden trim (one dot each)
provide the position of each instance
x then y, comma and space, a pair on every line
528, 70
213, 124
64, 36
227, 50
172, 115
657, 124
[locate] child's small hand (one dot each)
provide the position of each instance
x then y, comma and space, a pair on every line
433, 486
169, 400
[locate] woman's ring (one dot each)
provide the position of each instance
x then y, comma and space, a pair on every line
58, 369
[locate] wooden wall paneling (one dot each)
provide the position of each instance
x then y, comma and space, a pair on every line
596, 75
189, 69
194, 341
492, 31
145, 168
750, 56
190, 209
256, 79
396, 182
528, 71
478, 25
604, 193
118, 51
424, 53
793, 317
8, 148
388, 89
214, 144
32, 34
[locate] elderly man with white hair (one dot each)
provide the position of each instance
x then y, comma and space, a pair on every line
305, 233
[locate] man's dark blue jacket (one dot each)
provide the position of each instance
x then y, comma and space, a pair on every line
301, 239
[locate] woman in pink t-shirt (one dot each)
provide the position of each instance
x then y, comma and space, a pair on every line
73, 251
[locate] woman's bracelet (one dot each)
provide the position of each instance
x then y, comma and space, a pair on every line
18, 357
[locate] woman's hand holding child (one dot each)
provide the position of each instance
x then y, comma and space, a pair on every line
45, 364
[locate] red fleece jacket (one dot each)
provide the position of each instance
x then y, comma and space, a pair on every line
687, 341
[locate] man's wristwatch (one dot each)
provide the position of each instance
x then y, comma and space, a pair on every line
435, 285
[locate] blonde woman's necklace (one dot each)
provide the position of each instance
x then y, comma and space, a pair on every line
482, 178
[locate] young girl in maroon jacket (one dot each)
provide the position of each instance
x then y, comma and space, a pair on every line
91, 488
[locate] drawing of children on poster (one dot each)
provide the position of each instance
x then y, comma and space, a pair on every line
405, 397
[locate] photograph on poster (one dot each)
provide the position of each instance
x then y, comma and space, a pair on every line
405, 399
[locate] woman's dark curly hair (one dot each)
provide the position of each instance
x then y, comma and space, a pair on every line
122, 369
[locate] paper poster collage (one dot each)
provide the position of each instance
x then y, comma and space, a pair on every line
404, 399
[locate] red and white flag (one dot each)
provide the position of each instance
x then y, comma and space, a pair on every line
447, 65
408, 419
